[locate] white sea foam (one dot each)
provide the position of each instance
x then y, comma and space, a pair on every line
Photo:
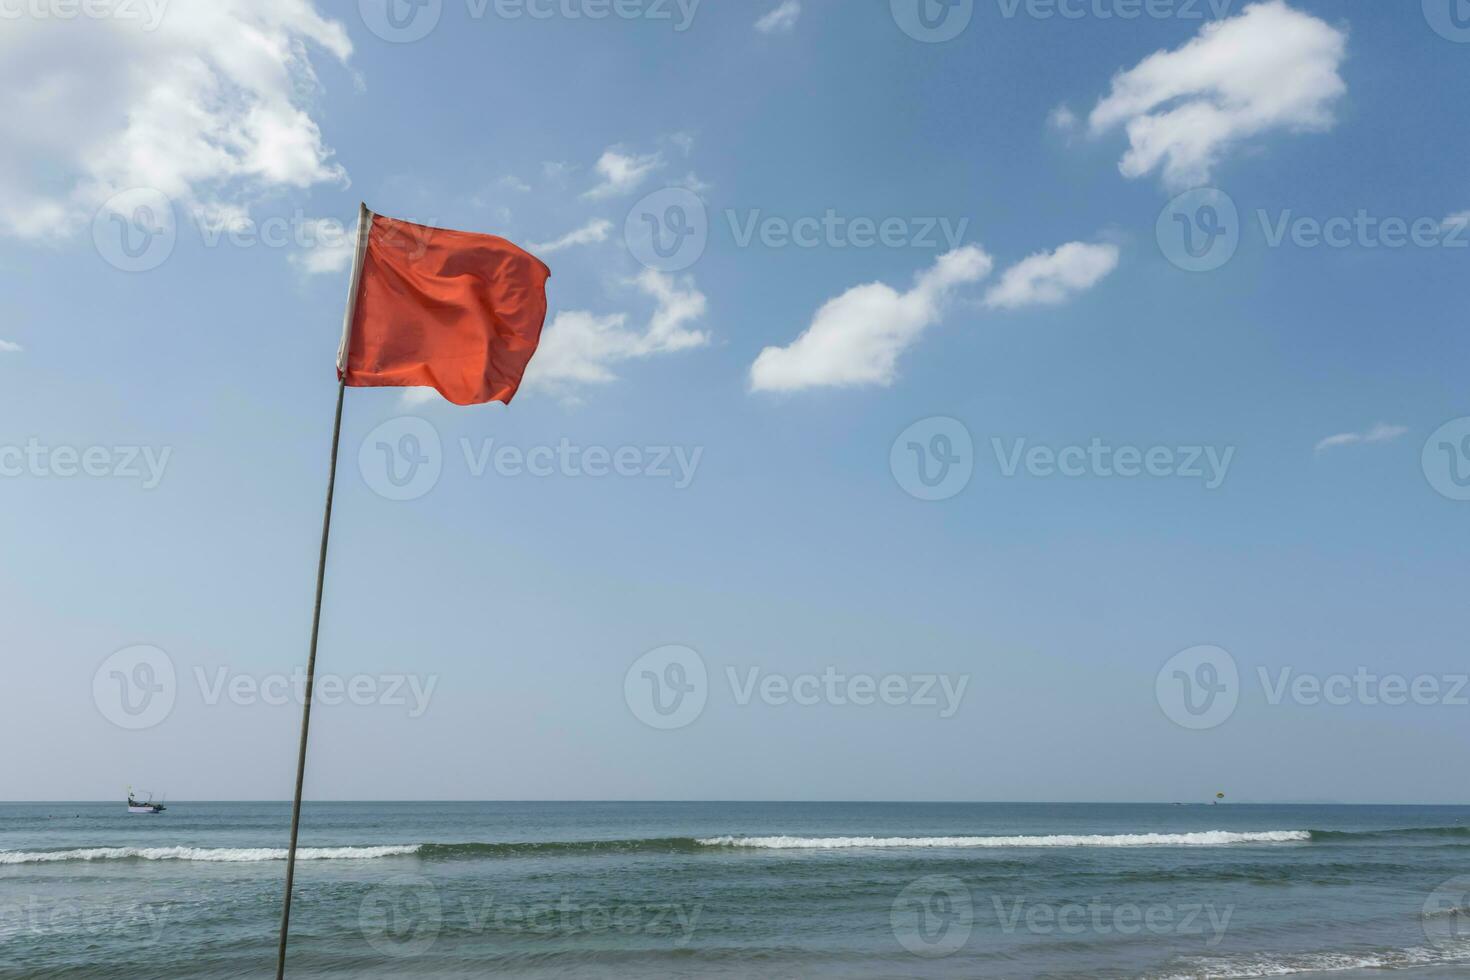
1209, 838
225, 854
1251, 967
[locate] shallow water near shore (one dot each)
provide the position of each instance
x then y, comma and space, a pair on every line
656, 890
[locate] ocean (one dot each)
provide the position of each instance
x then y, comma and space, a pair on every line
662, 890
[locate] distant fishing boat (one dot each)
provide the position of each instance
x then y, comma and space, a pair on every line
147, 806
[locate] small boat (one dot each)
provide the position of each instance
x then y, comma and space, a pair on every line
147, 806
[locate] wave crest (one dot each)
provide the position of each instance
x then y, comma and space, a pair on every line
222, 854
1209, 838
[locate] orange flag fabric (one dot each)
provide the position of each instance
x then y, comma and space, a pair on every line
451, 310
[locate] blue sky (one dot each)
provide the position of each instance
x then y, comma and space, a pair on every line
1325, 540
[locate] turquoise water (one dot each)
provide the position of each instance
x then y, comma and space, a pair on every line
657, 890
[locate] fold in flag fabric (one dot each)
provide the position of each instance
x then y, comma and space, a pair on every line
451, 310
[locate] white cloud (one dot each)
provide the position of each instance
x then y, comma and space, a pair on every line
10, 347
780, 20
591, 233
1271, 67
856, 338
1382, 432
415, 397
1049, 278
330, 246
622, 172
580, 347
211, 108
514, 183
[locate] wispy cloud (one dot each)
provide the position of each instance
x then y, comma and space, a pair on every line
591, 233
332, 246
1063, 119
781, 20
581, 348
1270, 68
10, 347
621, 173
856, 338
1382, 432
1049, 278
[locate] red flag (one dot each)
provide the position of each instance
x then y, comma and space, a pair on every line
451, 310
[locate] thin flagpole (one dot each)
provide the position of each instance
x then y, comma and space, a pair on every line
364, 224
316, 622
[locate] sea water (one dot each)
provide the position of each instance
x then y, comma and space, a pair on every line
655, 890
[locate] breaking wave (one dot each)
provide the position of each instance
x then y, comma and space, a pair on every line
1210, 838
221, 854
